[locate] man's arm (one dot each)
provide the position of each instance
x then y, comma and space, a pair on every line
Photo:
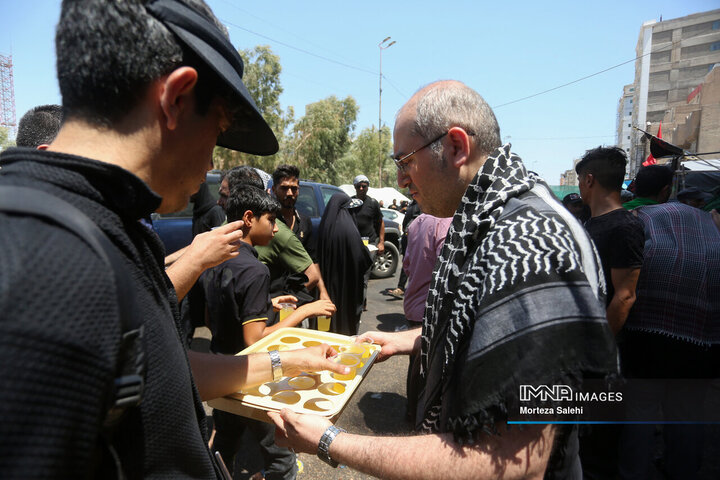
380, 226
219, 375
394, 343
513, 454
381, 237
206, 250
624, 282
315, 280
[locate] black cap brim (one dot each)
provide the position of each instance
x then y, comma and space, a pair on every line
248, 132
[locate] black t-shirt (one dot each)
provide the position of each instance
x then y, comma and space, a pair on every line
237, 292
368, 218
619, 238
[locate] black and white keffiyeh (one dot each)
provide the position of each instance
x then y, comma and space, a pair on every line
516, 298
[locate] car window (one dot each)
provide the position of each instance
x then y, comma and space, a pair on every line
306, 203
328, 192
213, 186
389, 214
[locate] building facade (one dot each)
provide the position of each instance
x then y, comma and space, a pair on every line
673, 58
624, 131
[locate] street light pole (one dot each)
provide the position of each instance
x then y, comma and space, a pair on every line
382, 46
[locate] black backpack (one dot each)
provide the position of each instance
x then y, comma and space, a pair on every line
130, 369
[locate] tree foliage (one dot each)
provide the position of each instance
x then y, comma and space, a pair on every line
5, 141
368, 156
321, 143
262, 79
322, 137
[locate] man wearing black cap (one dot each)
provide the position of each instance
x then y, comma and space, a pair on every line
573, 202
149, 88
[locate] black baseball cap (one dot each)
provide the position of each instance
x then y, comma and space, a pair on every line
248, 132
572, 198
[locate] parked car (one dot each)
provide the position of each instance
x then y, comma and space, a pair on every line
393, 215
175, 229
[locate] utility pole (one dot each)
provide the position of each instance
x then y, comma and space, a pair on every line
382, 46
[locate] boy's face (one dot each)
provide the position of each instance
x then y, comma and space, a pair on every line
263, 229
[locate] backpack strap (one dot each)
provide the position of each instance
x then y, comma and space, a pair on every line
130, 371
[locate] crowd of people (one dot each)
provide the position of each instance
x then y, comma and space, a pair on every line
503, 286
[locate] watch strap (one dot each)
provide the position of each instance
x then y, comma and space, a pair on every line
324, 445
276, 365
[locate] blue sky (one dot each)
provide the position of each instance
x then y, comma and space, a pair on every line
505, 50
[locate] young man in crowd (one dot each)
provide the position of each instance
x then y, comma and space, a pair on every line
619, 239
148, 89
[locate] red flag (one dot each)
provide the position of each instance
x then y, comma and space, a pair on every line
650, 159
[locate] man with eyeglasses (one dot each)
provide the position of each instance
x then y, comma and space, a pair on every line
516, 299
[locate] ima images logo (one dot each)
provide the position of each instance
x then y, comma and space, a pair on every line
555, 393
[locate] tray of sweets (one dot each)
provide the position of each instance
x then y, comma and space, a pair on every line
320, 393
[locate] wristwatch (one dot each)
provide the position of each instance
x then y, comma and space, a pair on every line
324, 445
276, 365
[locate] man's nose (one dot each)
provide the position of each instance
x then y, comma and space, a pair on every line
403, 179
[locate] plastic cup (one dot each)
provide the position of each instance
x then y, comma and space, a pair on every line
366, 241
323, 322
285, 310
349, 360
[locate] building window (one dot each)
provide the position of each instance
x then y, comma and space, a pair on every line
629, 125
628, 137
631, 100
716, 25
714, 46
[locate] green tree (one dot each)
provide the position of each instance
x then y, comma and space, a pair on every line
322, 137
5, 141
262, 79
365, 156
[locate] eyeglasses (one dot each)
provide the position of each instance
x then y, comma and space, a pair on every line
402, 162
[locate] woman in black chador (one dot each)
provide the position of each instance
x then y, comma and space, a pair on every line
344, 259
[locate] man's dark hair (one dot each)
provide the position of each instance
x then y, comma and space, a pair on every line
650, 180
606, 164
39, 126
243, 175
246, 197
109, 52
285, 171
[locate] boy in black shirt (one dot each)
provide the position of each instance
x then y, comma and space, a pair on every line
238, 301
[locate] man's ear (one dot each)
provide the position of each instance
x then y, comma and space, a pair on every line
458, 152
175, 94
248, 218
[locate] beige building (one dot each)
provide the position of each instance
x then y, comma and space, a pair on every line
624, 131
673, 58
570, 176
695, 126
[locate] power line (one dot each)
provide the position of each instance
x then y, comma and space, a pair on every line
300, 49
585, 77
394, 86
246, 12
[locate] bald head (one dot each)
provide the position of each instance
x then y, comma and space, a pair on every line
449, 103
